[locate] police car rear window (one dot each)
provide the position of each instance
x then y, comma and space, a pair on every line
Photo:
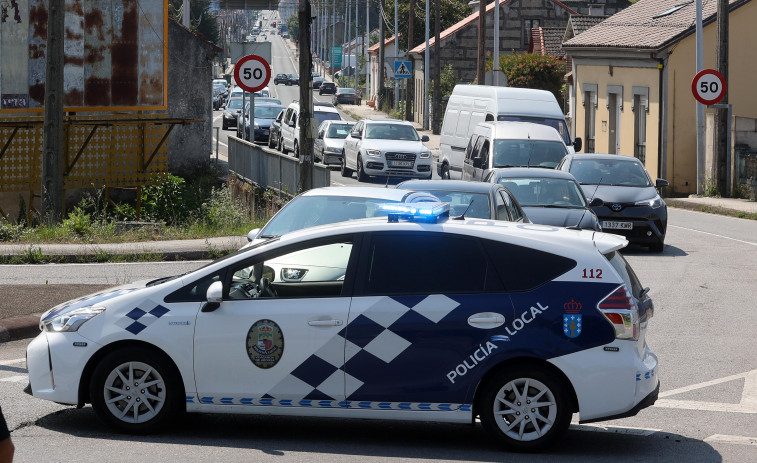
522, 268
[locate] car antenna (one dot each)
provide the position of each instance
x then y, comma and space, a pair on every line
387, 182
462, 216
578, 225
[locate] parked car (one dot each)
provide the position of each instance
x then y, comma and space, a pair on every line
265, 114
391, 319
317, 81
280, 78
385, 147
472, 199
274, 132
346, 95
549, 197
219, 97
632, 205
329, 141
231, 112
323, 206
327, 88
511, 144
290, 125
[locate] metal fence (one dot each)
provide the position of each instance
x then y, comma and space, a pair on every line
269, 169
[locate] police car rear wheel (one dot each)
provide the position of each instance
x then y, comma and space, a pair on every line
135, 390
526, 409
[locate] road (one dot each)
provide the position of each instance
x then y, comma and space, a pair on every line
283, 62
703, 332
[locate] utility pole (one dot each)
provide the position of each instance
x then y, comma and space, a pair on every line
357, 33
349, 43
436, 128
700, 106
426, 71
410, 32
720, 144
53, 142
367, 44
306, 99
396, 57
481, 37
381, 58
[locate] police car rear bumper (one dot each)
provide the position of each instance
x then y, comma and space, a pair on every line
647, 402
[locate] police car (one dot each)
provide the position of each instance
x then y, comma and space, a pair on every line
520, 325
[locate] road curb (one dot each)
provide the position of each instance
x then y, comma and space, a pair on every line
13, 329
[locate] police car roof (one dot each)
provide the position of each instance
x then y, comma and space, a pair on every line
557, 240
389, 194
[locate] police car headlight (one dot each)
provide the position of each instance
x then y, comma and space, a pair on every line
654, 203
70, 321
293, 274
425, 155
373, 153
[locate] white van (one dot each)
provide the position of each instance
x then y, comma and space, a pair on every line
470, 104
495, 145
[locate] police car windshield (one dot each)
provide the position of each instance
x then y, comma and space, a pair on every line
610, 172
528, 153
310, 211
545, 192
557, 124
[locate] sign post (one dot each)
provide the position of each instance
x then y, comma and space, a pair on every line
251, 73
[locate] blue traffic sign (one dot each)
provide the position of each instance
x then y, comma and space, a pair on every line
402, 69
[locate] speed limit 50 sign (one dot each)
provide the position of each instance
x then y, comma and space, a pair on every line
252, 73
708, 86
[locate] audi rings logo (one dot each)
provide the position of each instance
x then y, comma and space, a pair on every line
616, 207
402, 156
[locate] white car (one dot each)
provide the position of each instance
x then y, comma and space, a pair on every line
290, 125
520, 325
385, 147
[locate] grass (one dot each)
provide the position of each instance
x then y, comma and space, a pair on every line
710, 209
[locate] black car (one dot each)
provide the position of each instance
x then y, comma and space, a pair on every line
280, 79
265, 114
327, 88
346, 96
317, 81
274, 132
632, 205
549, 197
477, 200
293, 79
231, 112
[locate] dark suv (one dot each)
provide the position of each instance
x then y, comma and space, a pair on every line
280, 79
327, 87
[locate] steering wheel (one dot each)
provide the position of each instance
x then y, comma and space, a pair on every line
265, 289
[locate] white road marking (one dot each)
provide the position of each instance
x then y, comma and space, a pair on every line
614, 429
748, 403
15, 379
726, 439
714, 234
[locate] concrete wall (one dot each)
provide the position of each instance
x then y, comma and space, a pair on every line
190, 72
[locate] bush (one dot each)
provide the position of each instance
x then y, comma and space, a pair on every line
78, 222
527, 70
164, 202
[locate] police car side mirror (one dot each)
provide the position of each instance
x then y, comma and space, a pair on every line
214, 296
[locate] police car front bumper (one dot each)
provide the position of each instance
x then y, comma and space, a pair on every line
55, 362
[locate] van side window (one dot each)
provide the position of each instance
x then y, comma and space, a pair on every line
484, 153
477, 147
471, 145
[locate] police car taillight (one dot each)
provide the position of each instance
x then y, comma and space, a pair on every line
620, 310
429, 212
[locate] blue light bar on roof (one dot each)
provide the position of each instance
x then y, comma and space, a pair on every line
415, 212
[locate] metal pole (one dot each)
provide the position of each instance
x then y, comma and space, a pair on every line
333, 36
700, 106
481, 34
367, 44
408, 84
495, 64
396, 57
349, 42
426, 70
52, 152
357, 26
437, 123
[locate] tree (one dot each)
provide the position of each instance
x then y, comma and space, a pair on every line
452, 11
527, 70
293, 26
202, 21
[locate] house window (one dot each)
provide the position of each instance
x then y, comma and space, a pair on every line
529, 24
590, 116
640, 110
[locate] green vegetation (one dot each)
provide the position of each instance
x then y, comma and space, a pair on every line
528, 70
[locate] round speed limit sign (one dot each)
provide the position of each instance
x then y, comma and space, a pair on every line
252, 73
708, 86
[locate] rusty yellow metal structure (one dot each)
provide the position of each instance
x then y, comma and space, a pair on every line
113, 151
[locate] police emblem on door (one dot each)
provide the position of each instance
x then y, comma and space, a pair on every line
265, 343
571, 320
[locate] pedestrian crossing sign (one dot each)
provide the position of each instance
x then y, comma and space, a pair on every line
402, 69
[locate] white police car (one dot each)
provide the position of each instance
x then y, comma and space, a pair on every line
518, 324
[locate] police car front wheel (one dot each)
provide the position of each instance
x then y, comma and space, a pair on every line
135, 390
525, 409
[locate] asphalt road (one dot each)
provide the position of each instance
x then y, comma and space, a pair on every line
702, 331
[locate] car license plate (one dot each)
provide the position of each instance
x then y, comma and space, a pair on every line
614, 225
400, 163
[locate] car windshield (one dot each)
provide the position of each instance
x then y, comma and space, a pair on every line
309, 211
473, 205
326, 116
235, 103
617, 172
346, 91
557, 124
528, 153
267, 112
339, 130
545, 192
391, 132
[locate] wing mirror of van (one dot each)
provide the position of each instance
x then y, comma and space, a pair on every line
578, 144
477, 162
424, 138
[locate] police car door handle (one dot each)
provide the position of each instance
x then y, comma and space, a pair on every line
331, 322
495, 319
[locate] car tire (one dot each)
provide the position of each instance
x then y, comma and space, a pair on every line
445, 171
296, 151
270, 141
224, 126
344, 170
361, 175
657, 247
156, 405
531, 427
280, 145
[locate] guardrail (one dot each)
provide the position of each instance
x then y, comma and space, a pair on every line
270, 169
